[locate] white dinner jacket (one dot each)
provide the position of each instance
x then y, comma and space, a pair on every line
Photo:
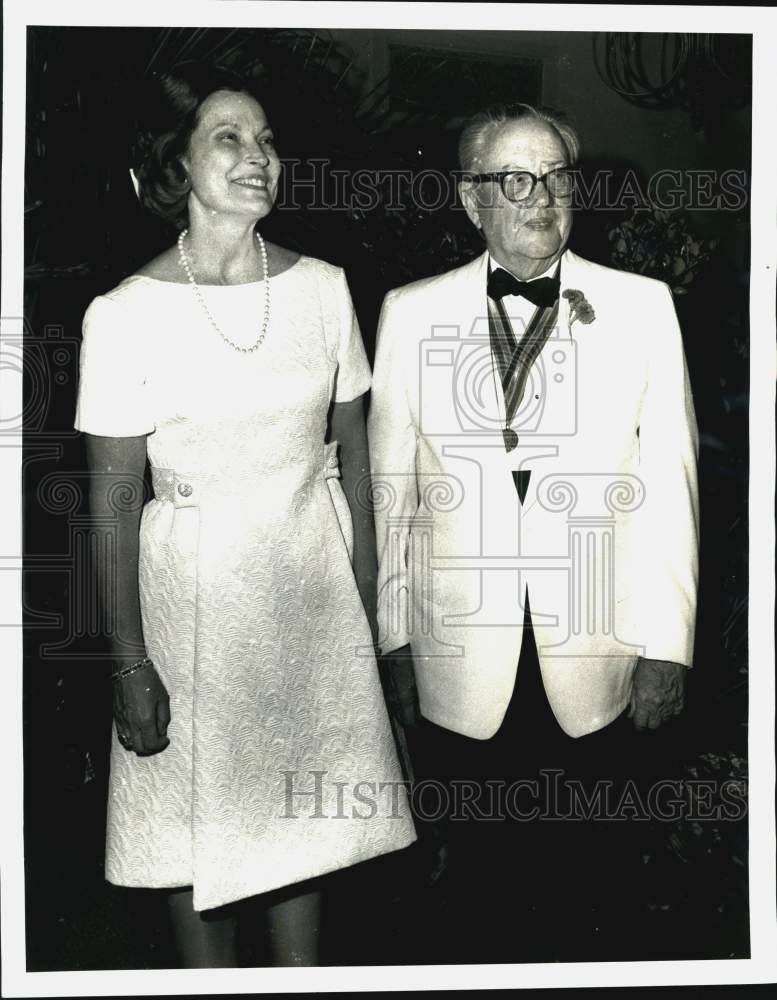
606, 540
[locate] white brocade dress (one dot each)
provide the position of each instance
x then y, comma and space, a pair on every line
281, 764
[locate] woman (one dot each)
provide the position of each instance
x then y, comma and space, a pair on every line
248, 710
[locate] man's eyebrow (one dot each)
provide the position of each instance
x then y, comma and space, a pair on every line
552, 164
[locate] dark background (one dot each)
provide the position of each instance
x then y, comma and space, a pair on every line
372, 99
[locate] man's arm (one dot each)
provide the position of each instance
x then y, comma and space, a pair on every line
349, 430
392, 437
668, 448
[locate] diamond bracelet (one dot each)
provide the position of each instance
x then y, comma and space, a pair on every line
123, 672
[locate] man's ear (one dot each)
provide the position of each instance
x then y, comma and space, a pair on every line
469, 199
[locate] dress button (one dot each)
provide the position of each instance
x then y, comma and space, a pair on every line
332, 461
185, 489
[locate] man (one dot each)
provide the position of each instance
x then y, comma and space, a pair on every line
533, 448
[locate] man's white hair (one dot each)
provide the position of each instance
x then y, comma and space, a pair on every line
475, 134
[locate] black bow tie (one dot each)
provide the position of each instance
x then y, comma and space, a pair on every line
541, 291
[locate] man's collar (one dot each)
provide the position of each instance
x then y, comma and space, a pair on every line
547, 273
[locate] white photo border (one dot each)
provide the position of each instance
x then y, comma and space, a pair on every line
762, 966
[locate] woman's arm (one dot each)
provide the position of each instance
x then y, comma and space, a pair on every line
349, 429
141, 704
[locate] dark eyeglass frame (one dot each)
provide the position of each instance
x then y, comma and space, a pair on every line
501, 175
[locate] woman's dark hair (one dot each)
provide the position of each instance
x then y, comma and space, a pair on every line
166, 117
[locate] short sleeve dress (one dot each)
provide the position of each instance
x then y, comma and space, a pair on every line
281, 764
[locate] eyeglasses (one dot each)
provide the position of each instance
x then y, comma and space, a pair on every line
519, 185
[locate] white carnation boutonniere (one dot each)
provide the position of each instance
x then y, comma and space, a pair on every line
579, 307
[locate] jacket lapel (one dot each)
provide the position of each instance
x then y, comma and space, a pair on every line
472, 308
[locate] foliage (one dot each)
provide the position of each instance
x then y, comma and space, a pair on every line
657, 243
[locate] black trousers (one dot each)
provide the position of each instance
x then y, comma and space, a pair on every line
533, 819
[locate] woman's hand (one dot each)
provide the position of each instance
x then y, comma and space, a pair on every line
141, 709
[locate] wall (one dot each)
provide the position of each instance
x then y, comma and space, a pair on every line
612, 130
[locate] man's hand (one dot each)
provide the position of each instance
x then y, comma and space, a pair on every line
657, 692
400, 687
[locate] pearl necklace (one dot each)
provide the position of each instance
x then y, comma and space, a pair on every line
185, 264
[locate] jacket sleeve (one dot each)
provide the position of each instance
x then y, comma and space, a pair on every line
392, 437
668, 450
